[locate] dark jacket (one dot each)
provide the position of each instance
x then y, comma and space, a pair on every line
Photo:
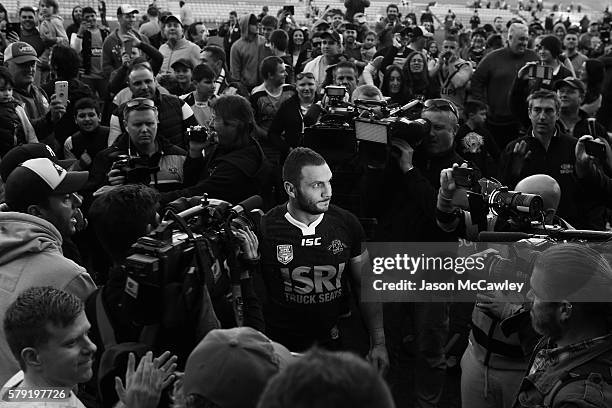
90, 142
558, 162
227, 175
580, 381
288, 125
408, 201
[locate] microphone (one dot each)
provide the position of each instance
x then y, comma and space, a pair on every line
406, 107
246, 205
370, 103
492, 236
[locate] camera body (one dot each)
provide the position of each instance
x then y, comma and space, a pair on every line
185, 251
466, 177
597, 150
197, 133
135, 169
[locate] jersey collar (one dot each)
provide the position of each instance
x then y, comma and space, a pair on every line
306, 229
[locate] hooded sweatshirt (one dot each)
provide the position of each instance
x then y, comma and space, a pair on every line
31, 255
246, 54
183, 49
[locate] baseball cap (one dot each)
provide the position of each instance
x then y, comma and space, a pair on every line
126, 9
20, 52
173, 17
38, 178
19, 154
182, 62
321, 24
571, 82
333, 35
231, 367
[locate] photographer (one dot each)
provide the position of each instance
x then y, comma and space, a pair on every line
233, 167
407, 189
144, 148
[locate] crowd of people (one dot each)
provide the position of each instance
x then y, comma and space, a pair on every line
102, 130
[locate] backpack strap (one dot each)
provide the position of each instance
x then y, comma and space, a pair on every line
107, 334
568, 377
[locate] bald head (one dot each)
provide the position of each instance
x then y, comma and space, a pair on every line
544, 186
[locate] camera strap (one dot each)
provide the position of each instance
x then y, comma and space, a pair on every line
107, 333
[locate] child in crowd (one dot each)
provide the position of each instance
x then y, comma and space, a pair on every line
16, 128
473, 141
199, 100
368, 48
90, 139
52, 32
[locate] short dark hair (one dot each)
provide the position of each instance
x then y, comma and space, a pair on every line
217, 52
86, 103
269, 65
279, 39
139, 66
26, 319
6, 76
153, 11
345, 64
29, 9
235, 107
88, 10
52, 3
120, 216
391, 6
473, 106
65, 61
327, 379
297, 159
544, 94
269, 21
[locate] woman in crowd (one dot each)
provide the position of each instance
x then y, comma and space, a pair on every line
298, 49
549, 51
393, 85
294, 115
3, 13
417, 78
77, 17
593, 72
432, 48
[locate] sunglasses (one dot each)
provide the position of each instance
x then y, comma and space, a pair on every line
140, 104
440, 105
304, 75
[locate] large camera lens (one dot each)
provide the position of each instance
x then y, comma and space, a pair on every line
412, 131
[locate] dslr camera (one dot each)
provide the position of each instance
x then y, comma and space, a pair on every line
136, 169
197, 133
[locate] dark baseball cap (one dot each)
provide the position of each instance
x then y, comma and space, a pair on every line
572, 83
332, 35
19, 154
182, 62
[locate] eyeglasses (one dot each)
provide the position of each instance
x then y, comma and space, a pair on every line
140, 104
304, 75
441, 105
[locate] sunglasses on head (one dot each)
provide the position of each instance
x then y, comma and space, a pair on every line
441, 105
304, 75
140, 104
